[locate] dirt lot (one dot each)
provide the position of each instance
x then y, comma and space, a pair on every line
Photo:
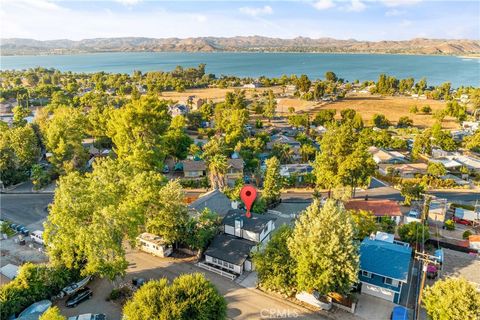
215, 94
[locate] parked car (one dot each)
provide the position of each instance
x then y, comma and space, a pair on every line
462, 221
19, 227
89, 316
13, 226
138, 282
35, 309
399, 313
37, 236
80, 296
74, 287
165, 169
25, 231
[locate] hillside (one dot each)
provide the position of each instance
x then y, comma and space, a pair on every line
16, 46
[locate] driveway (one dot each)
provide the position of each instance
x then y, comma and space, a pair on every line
243, 303
373, 308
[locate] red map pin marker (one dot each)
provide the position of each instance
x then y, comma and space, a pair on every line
248, 195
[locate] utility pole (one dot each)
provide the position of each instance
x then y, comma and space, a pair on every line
425, 260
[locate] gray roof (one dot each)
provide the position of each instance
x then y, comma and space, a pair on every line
256, 223
230, 249
214, 200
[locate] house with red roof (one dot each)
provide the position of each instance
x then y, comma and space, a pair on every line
380, 208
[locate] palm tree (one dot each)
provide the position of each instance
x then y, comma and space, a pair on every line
218, 166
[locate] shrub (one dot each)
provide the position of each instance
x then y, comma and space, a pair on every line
450, 225
466, 234
404, 122
426, 109
33, 283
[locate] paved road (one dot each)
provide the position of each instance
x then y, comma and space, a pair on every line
242, 303
24, 208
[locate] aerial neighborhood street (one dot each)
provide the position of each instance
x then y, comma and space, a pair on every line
152, 168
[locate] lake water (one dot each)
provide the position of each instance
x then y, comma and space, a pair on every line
437, 69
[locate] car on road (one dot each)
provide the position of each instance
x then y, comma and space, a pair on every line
74, 287
25, 231
89, 316
80, 296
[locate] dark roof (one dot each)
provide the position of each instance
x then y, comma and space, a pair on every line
192, 165
385, 259
215, 200
229, 248
256, 223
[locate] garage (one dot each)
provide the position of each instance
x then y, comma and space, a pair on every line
378, 292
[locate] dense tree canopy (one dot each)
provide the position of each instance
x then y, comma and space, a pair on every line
335, 266
189, 296
451, 299
272, 184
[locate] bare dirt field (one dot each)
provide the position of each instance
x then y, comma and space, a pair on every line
392, 107
215, 94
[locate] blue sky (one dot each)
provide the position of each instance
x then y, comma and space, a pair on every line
348, 19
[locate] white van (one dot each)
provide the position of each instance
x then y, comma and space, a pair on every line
37, 236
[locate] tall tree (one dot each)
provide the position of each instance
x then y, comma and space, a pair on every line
364, 223
274, 265
451, 299
93, 214
217, 167
168, 213
273, 181
63, 134
190, 296
326, 258
270, 106
137, 132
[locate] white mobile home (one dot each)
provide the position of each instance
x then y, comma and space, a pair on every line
154, 244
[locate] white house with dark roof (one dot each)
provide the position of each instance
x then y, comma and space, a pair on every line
229, 253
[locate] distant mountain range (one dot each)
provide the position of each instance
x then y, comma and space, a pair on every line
17, 46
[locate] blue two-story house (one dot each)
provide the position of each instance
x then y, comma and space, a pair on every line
384, 267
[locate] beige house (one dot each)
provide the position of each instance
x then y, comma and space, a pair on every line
194, 169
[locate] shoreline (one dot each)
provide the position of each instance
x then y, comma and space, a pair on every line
47, 54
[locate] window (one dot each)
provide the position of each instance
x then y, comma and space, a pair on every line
366, 274
391, 282
215, 260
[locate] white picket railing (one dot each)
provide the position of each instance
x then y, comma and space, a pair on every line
217, 271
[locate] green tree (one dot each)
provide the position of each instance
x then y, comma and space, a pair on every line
274, 265
63, 134
404, 122
190, 296
273, 181
364, 223
93, 214
217, 167
357, 168
326, 258
380, 121
436, 169
137, 132
451, 299
411, 191
330, 76
473, 142
53, 313
202, 229
19, 114
422, 144
177, 141
324, 116
413, 109
387, 225
414, 233
168, 214
303, 83
270, 106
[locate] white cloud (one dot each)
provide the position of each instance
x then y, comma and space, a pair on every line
356, 5
398, 3
394, 13
323, 4
406, 23
129, 2
201, 18
251, 11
